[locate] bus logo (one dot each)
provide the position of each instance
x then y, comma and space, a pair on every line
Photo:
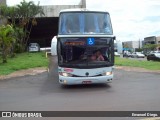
90, 41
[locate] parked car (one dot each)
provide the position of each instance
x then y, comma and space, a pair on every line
127, 54
137, 55
116, 54
154, 56
34, 47
155, 52
147, 53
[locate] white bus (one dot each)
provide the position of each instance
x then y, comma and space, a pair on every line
85, 47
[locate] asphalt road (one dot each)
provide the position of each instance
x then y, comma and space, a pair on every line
129, 91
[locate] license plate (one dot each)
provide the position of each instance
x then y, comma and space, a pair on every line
86, 82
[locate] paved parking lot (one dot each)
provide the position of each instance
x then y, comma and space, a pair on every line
129, 91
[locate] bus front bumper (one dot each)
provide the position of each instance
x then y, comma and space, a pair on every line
85, 80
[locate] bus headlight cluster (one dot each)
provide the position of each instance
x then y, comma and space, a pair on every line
65, 74
107, 73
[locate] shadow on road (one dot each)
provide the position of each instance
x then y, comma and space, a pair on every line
89, 86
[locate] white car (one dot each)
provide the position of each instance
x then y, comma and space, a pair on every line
138, 55
116, 54
34, 47
155, 52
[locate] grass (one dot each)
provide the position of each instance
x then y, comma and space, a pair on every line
32, 60
151, 65
24, 61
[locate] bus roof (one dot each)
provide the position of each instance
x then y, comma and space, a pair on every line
81, 9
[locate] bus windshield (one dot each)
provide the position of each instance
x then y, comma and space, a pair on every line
78, 53
85, 23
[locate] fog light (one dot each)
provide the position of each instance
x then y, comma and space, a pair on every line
63, 81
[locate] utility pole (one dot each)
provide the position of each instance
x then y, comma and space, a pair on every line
139, 43
83, 3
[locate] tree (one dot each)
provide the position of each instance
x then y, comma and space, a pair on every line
126, 45
22, 17
6, 40
19, 34
10, 15
27, 12
150, 47
158, 47
2, 18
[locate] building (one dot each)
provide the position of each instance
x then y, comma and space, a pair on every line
152, 40
132, 45
158, 40
2, 2
47, 26
118, 46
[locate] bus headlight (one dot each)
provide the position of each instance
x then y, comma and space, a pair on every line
65, 74
107, 73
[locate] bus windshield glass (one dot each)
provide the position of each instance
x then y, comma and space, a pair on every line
85, 23
80, 53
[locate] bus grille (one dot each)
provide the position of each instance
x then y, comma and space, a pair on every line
87, 76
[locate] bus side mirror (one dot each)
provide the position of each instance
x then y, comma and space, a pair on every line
114, 38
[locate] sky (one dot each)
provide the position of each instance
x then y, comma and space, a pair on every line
132, 20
